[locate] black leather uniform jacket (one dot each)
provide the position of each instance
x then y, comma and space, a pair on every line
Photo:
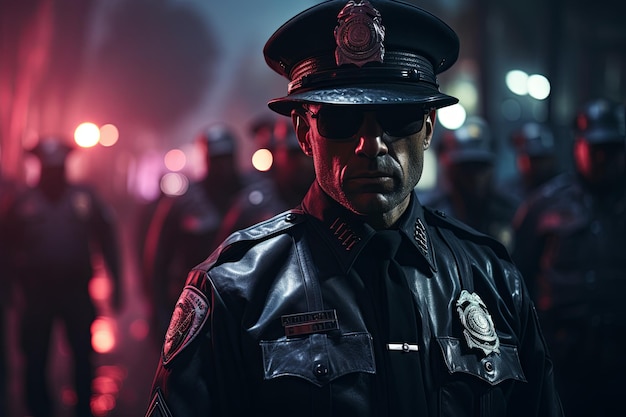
226, 352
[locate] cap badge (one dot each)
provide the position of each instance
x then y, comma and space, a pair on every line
479, 330
359, 34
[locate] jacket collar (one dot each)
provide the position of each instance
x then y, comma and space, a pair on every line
346, 233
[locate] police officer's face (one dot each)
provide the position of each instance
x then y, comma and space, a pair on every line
367, 160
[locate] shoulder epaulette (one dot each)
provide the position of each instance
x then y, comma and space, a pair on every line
244, 238
441, 219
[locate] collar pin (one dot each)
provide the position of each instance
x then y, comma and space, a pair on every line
420, 236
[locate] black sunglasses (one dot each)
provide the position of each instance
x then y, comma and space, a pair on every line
341, 123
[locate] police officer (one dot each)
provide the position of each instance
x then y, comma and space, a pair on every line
571, 236
535, 158
183, 228
468, 189
360, 301
55, 229
279, 187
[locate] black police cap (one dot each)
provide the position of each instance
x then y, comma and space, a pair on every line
601, 121
374, 52
51, 151
220, 139
469, 143
534, 139
273, 132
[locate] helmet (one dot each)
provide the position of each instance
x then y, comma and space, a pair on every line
601, 121
534, 139
469, 143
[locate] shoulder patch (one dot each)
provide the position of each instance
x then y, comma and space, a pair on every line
190, 313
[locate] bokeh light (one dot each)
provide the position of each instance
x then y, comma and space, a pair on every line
139, 329
511, 110
103, 334
175, 160
262, 160
452, 117
109, 134
100, 288
538, 87
517, 82
174, 183
535, 85
87, 135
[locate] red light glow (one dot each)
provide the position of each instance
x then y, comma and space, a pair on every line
102, 404
103, 335
139, 329
68, 396
100, 288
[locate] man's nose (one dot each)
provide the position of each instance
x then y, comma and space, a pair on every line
371, 142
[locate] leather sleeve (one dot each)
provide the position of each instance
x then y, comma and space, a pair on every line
538, 397
195, 377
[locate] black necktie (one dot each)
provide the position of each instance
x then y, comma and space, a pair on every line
399, 325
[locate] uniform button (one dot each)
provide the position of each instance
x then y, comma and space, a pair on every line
489, 366
321, 370
291, 217
441, 213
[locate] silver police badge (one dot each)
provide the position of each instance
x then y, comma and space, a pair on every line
190, 313
478, 326
359, 34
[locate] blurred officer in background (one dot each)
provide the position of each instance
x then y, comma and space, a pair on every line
183, 228
535, 158
8, 191
55, 229
359, 301
279, 188
571, 236
468, 189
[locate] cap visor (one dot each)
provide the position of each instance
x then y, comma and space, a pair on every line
369, 96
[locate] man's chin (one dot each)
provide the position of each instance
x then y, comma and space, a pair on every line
370, 203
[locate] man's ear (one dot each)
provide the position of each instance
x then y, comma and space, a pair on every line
429, 125
302, 127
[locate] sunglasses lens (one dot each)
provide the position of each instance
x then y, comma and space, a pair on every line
401, 122
341, 123
338, 123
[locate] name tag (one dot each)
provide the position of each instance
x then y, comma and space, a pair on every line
310, 322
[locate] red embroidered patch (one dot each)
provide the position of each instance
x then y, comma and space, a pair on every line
190, 313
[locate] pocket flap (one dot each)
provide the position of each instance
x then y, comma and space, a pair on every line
318, 358
493, 368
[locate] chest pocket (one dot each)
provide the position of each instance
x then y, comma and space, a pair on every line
318, 358
493, 369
